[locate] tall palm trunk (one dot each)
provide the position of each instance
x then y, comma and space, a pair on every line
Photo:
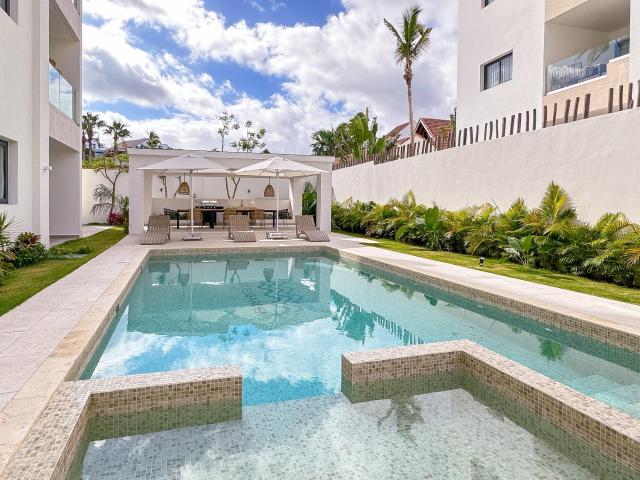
408, 77
90, 147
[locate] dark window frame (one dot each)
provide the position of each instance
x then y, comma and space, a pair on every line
8, 9
4, 164
497, 61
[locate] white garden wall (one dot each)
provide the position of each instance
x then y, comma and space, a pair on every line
596, 160
90, 180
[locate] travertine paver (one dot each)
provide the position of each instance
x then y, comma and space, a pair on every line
41, 339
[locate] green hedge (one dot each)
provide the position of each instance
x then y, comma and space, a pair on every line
548, 236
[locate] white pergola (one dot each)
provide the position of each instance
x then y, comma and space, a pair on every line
141, 181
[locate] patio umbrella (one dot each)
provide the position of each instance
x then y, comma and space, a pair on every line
188, 163
279, 167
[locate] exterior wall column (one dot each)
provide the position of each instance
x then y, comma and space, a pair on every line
634, 49
137, 193
324, 189
40, 142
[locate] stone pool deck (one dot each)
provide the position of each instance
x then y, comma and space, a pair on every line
42, 340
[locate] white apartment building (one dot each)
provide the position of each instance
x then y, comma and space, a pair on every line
40, 114
517, 55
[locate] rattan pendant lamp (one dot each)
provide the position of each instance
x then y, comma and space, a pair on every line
184, 188
268, 191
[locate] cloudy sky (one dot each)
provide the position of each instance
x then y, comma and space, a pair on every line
291, 66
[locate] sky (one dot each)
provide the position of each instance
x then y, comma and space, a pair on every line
290, 66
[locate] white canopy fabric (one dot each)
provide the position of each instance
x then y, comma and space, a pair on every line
187, 163
279, 167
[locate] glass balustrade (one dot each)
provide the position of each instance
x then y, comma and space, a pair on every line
61, 94
586, 65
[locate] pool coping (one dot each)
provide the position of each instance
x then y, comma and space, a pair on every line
68, 359
610, 431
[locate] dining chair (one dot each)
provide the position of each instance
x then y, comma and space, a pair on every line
228, 212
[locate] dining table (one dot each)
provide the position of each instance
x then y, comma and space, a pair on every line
209, 214
248, 210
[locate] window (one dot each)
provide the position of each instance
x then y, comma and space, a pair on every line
4, 5
486, 3
498, 71
4, 165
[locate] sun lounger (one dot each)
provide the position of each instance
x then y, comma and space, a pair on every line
244, 236
239, 229
158, 230
305, 225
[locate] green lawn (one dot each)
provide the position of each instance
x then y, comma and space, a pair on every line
508, 269
26, 282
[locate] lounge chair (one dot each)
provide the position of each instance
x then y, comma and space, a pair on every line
158, 230
239, 229
306, 225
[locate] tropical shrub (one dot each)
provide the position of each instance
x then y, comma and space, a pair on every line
309, 199
115, 218
549, 236
27, 250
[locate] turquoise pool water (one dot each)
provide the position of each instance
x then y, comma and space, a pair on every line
286, 321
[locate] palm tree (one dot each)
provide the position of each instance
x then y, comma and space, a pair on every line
153, 140
323, 143
117, 131
411, 43
91, 123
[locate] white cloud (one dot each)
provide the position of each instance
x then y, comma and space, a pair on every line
347, 62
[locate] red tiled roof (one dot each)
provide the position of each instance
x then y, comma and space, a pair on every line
435, 126
397, 130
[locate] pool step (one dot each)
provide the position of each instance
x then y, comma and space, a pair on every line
594, 384
628, 394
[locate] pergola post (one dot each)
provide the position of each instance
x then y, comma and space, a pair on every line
323, 209
138, 191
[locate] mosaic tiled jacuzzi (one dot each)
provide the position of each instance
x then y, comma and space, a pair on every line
286, 321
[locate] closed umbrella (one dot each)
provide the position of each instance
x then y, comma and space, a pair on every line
279, 167
188, 163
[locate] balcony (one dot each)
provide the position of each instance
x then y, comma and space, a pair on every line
61, 94
587, 65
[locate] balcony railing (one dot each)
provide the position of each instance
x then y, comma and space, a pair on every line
61, 94
586, 65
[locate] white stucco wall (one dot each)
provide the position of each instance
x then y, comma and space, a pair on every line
19, 91
27, 124
485, 34
596, 160
90, 180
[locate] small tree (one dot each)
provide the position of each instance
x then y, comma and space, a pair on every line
115, 164
251, 140
228, 124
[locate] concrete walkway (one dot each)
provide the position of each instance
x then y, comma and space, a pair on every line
41, 339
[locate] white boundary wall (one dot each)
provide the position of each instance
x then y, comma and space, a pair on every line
596, 160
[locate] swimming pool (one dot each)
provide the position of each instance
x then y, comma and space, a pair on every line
286, 320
